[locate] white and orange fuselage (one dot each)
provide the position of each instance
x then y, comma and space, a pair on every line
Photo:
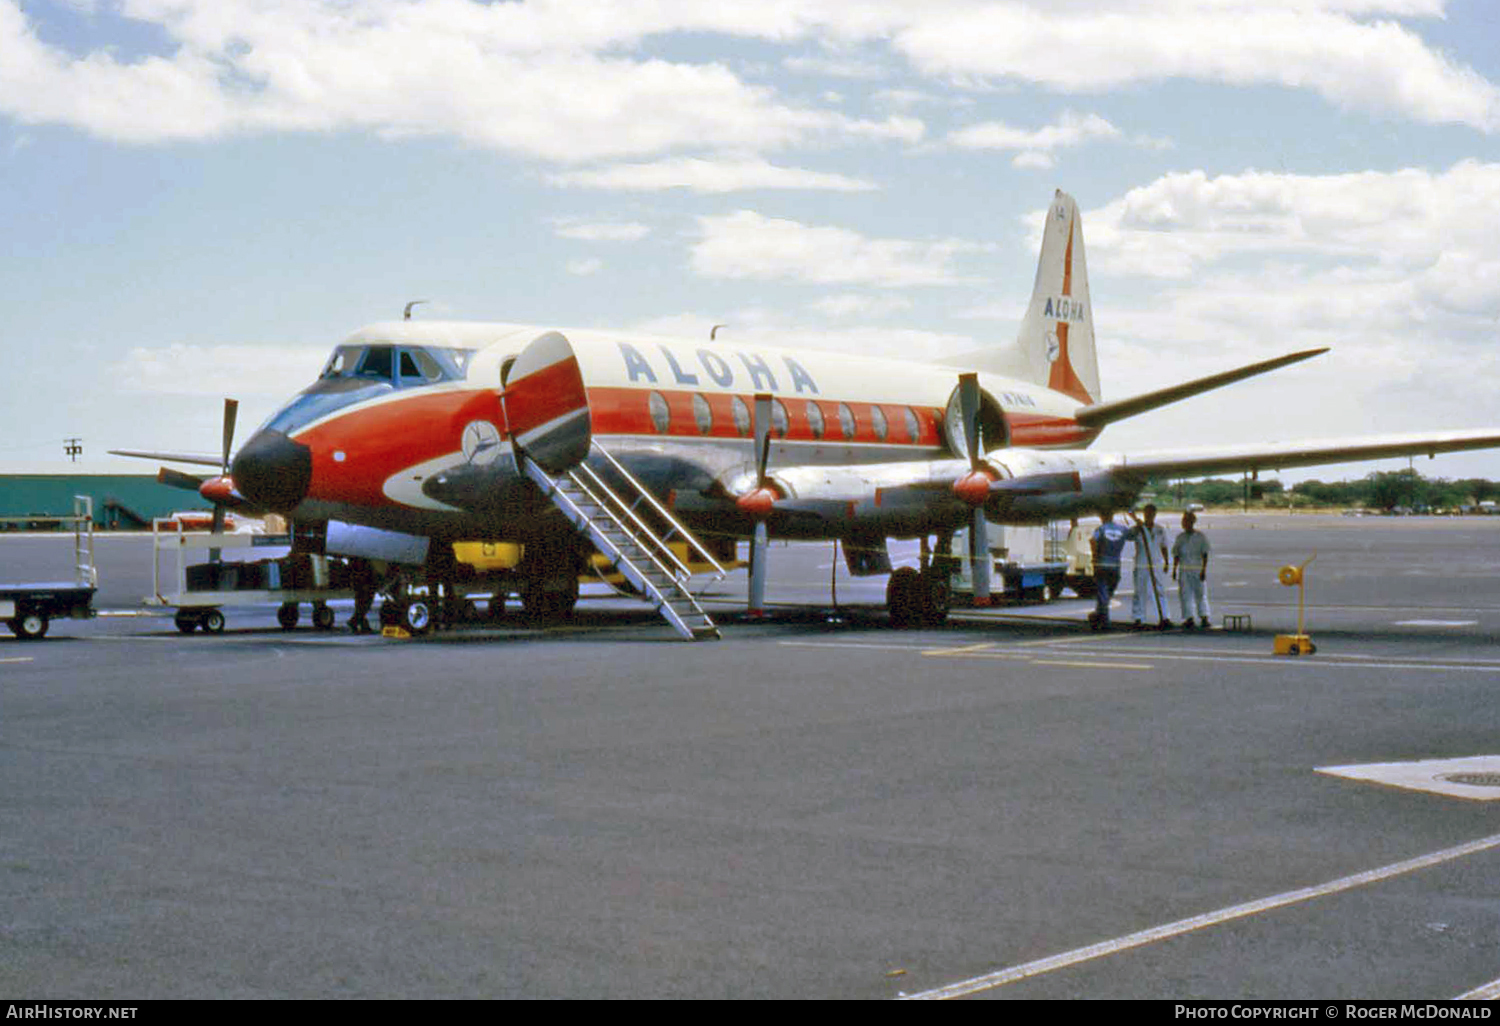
434, 456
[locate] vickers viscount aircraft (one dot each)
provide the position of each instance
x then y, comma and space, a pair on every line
559, 443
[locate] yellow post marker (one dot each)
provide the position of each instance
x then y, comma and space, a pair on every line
1299, 643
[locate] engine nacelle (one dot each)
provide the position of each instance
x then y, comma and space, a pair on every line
373, 543
1096, 492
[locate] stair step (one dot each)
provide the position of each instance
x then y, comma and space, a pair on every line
633, 555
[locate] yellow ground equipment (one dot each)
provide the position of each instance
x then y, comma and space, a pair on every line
485, 556
1299, 643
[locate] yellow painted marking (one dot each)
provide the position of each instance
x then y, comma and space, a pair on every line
18, 659
961, 650
1096, 666
1085, 639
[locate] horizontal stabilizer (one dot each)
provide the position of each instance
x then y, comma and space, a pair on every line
1107, 413
199, 459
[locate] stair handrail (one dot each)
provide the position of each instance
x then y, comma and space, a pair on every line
627, 565
643, 534
662, 512
620, 554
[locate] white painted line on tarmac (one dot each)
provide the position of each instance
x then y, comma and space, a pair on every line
1077, 956
1435, 776
1489, 992
1435, 623
18, 659
1323, 662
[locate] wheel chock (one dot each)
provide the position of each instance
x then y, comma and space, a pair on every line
392, 631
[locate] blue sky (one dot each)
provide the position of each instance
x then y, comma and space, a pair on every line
202, 196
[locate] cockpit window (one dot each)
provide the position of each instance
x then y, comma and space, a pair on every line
361, 372
376, 363
418, 364
402, 366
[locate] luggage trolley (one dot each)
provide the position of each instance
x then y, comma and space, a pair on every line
201, 590
28, 609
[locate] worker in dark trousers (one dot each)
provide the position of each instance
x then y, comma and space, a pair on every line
1108, 543
362, 581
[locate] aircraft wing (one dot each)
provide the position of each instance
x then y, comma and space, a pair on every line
1307, 453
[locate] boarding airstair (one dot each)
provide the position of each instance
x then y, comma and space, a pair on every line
616, 525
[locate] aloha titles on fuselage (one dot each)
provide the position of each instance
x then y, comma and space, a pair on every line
758, 375
754, 373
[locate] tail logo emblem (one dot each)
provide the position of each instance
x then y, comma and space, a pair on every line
1054, 347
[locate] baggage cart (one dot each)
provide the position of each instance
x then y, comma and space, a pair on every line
29, 609
200, 590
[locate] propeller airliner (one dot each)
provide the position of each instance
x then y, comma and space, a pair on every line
563, 443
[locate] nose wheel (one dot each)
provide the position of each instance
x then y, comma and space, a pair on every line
412, 616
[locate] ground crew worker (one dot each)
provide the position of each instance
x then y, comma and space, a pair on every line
1108, 543
1150, 574
362, 581
1190, 570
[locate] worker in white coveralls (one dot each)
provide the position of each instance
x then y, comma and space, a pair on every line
1152, 561
1190, 569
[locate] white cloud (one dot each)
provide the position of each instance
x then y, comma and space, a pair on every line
848, 304
1035, 147
1398, 272
1432, 228
567, 82
746, 244
1095, 46
601, 231
222, 370
541, 79
703, 175
837, 67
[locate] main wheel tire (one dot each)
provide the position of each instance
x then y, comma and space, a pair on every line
29, 626
323, 617
934, 597
288, 615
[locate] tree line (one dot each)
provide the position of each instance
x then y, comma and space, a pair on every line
1384, 490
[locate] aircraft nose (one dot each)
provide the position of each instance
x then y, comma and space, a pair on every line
272, 471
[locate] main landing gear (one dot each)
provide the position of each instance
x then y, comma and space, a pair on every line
922, 598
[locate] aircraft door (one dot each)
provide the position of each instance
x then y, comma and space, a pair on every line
546, 404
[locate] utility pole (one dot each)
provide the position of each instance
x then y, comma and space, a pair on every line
73, 448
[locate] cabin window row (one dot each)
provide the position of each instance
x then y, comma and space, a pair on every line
821, 419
